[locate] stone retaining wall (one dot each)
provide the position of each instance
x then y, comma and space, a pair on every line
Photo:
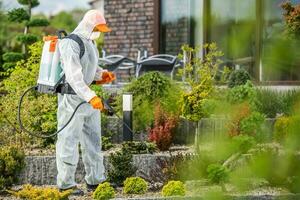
41, 170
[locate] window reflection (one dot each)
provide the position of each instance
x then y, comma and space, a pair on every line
280, 56
249, 32
232, 27
180, 24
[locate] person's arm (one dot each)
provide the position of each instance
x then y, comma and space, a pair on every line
72, 68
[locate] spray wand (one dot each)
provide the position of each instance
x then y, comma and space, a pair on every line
106, 104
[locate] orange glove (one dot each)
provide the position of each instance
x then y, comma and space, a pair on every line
96, 102
107, 77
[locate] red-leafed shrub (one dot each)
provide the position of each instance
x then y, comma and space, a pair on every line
242, 112
162, 132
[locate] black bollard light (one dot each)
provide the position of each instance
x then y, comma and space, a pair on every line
127, 117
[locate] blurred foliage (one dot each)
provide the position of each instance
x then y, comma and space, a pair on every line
63, 20
242, 93
32, 3
38, 22
238, 77
292, 18
37, 193
217, 173
12, 57
12, 161
135, 185
18, 15
27, 38
282, 128
252, 125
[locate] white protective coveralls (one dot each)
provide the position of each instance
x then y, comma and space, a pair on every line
84, 128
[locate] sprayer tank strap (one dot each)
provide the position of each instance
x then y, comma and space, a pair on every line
64, 87
79, 41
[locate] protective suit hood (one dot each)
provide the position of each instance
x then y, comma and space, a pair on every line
87, 24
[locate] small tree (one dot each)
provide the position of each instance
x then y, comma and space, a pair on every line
23, 16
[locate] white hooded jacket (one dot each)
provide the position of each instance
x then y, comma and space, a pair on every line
80, 73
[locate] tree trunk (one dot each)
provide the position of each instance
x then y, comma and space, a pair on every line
26, 29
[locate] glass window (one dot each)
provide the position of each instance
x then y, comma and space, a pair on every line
180, 24
232, 26
280, 56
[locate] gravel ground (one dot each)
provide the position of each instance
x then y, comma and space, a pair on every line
87, 195
201, 189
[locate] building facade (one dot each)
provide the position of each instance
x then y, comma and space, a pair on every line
249, 32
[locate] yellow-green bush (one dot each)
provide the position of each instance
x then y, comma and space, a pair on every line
39, 111
11, 163
35, 193
174, 188
135, 185
104, 192
281, 128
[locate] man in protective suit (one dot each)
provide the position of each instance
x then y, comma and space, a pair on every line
84, 128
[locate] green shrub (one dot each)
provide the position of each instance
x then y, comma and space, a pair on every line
8, 66
273, 103
217, 174
282, 127
289, 99
11, 164
35, 193
18, 15
147, 90
135, 185
33, 3
122, 167
195, 102
252, 124
241, 93
269, 102
104, 192
27, 38
238, 77
38, 112
162, 132
173, 188
12, 56
201, 75
243, 142
136, 147
38, 22
106, 143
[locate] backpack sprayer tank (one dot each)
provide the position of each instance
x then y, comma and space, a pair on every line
51, 73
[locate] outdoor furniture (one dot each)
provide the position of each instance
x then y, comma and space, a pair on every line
161, 62
116, 62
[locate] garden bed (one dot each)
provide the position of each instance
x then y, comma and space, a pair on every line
262, 193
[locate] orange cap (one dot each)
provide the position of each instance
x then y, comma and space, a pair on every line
102, 28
